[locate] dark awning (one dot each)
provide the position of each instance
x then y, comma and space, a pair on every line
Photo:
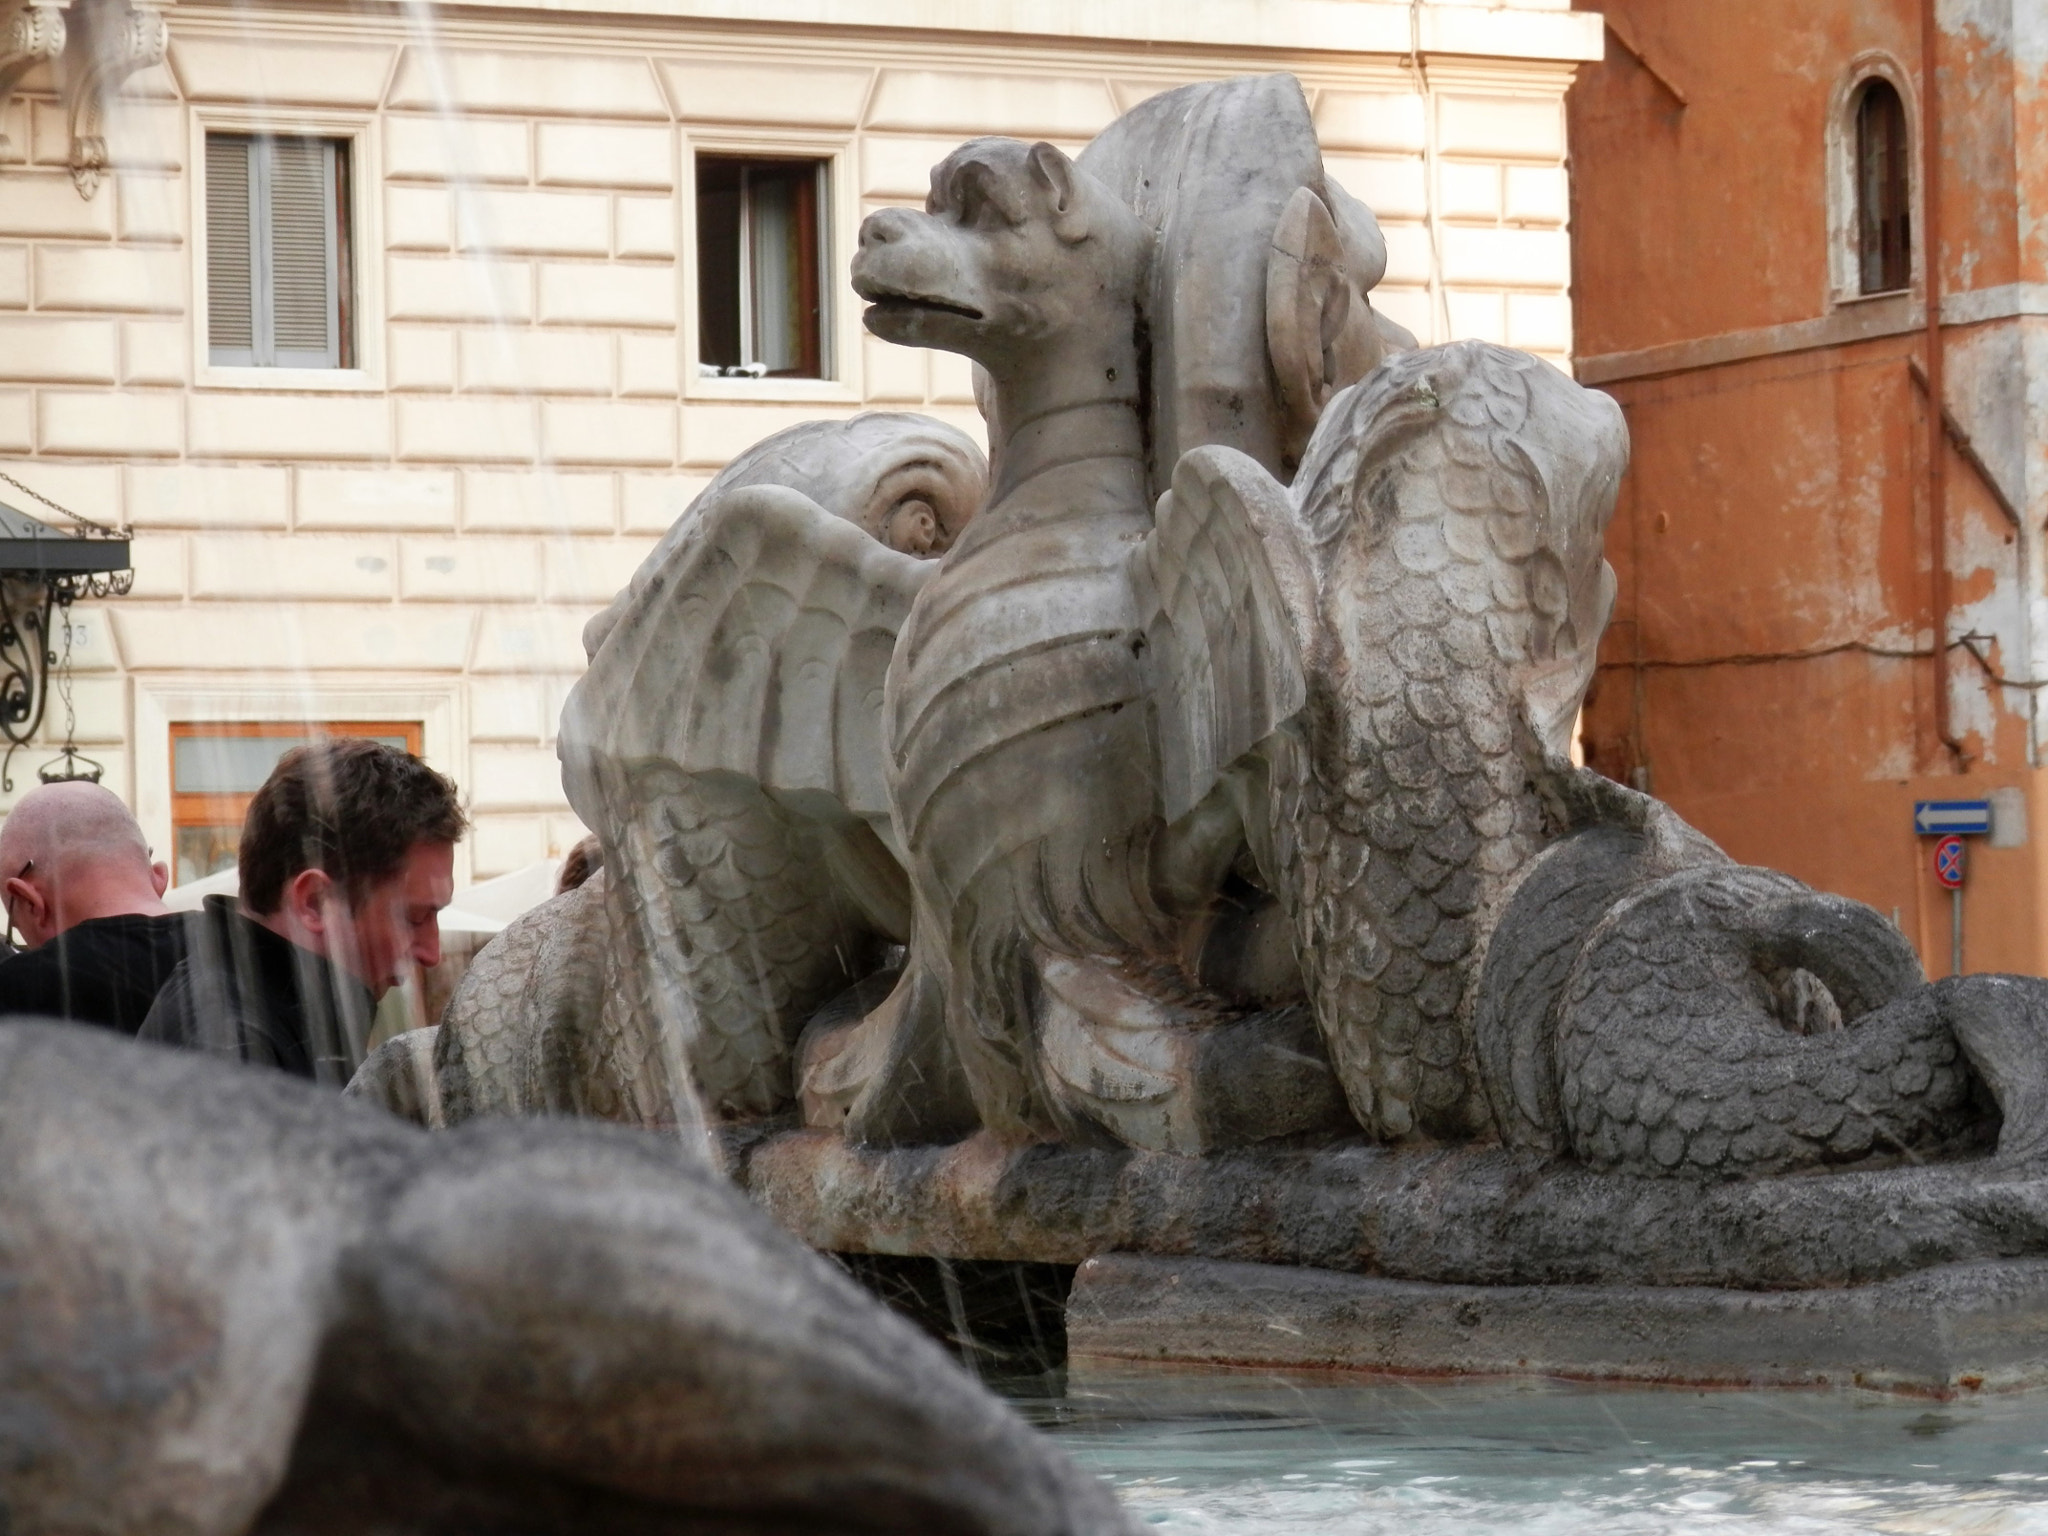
29, 546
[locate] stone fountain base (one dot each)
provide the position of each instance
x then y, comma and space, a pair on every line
1956, 1329
1467, 1260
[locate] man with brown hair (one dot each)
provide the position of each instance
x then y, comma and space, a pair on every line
347, 857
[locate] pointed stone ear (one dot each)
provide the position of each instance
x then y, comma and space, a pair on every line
1319, 330
1054, 173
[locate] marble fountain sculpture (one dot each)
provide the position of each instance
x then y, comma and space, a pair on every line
230, 1303
1162, 854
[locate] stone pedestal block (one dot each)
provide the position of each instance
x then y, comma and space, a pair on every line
1959, 1328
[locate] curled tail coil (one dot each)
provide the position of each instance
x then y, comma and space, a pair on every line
1733, 1022
1713, 1020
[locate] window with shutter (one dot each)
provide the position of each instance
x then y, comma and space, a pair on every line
230, 316
277, 262
760, 267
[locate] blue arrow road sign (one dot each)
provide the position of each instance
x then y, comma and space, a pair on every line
1965, 818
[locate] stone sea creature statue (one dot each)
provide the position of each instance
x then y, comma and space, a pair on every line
720, 905
730, 732
233, 1304
1209, 786
995, 814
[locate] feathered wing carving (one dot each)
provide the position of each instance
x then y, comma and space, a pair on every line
726, 741
1226, 604
773, 622
1396, 646
1224, 174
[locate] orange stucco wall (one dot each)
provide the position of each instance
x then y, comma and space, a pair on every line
1770, 671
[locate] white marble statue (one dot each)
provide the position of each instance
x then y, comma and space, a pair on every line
1203, 780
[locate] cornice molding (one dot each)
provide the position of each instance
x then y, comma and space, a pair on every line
1867, 320
91, 47
1374, 27
696, 40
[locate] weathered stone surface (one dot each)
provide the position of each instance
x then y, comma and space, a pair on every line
2001, 1023
1704, 1017
1466, 1215
1956, 1328
1244, 696
399, 1076
523, 1034
1261, 261
234, 1303
747, 656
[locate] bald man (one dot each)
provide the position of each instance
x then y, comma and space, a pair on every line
80, 888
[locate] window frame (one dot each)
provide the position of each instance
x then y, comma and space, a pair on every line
1866, 96
217, 701
200, 809
747, 315
365, 224
1844, 205
838, 232
338, 249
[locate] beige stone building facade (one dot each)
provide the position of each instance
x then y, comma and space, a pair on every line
399, 509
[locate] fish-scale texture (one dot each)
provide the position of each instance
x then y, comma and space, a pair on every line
1408, 838
510, 1039
1677, 1051
1419, 807
740, 932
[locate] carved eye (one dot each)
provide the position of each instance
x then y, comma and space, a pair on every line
913, 528
976, 200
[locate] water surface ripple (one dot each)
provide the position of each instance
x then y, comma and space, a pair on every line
1231, 1452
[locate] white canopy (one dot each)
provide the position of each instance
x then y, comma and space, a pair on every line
483, 908
513, 895
187, 897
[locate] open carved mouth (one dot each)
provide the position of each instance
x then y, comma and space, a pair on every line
903, 303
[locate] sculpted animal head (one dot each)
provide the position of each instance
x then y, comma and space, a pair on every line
1016, 247
1495, 474
907, 480
1322, 332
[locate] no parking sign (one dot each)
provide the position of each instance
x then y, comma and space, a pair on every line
1948, 862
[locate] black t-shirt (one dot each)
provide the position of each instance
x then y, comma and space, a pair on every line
106, 971
251, 995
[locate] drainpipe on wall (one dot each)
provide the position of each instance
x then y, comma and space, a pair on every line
1937, 441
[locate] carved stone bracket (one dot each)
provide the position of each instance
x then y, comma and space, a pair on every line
113, 39
31, 33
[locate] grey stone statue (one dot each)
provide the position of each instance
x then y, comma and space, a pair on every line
1204, 783
234, 1304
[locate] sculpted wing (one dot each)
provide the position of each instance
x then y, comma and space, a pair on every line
727, 741
774, 622
1227, 609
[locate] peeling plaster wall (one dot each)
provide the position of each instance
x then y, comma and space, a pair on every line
1771, 668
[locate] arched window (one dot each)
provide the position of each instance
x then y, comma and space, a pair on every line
1884, 190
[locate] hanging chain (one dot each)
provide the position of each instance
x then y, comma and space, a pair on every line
75, 765
64, 686
64, 511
